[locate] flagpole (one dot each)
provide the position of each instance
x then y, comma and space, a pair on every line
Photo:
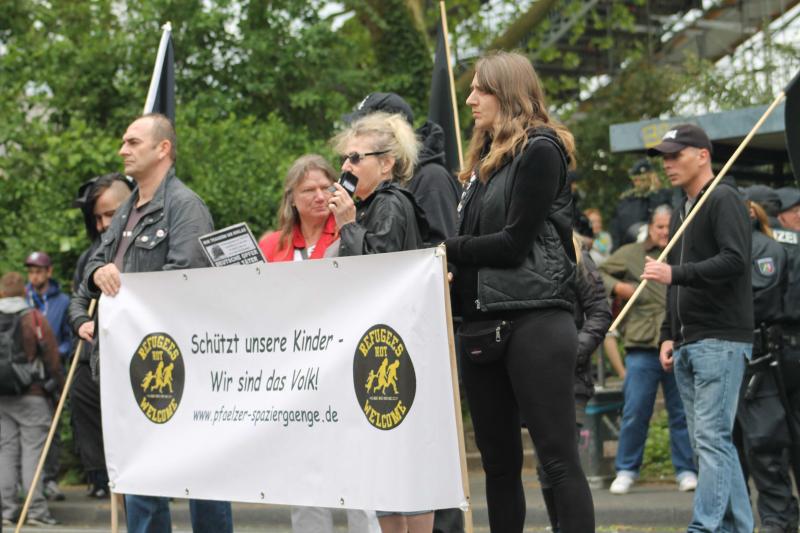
700, 203
453, 101
156, 79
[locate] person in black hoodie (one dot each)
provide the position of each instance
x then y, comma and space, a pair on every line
434, 188
707, 334
98, 199
513, 266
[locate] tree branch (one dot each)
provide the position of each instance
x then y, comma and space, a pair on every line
513, 35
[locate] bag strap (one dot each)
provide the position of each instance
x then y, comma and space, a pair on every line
37, 322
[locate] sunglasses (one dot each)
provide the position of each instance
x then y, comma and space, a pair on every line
355, 158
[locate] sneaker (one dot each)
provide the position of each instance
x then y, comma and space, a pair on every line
621, 485
46, 520
687, 483
52, 492
99, 492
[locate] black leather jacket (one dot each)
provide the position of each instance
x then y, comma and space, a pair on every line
592, 318
388, 221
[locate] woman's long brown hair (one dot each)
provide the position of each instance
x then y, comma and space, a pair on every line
510, 77
763, 219
288, 215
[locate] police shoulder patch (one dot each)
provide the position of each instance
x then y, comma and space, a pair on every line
785, 237
766, 265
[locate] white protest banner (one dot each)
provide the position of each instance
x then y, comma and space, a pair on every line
324, 383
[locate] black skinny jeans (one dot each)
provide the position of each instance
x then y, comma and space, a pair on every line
534, 380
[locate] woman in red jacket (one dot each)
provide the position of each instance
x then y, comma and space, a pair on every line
307, 227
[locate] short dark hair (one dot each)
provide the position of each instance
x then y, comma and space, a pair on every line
164, 130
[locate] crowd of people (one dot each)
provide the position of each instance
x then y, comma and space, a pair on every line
532, 279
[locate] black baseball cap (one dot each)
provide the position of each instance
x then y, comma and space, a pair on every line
640, 167
765, 197
789, 197
386, 102
678, 138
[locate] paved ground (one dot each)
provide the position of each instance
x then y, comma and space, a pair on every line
650, 507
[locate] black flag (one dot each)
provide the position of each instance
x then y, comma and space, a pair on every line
792, 124
440, 106
161, 96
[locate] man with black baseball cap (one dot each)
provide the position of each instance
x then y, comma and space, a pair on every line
707, 335
679, 138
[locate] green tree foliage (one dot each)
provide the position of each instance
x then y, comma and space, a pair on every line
259, 83
639, 93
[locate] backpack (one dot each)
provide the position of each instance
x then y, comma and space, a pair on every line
16, 372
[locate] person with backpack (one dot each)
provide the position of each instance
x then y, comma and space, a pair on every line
44, 293
28, 354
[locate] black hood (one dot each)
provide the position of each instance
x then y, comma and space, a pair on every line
432, 137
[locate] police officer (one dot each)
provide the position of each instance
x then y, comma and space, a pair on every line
761, 415
637, 203
789, 237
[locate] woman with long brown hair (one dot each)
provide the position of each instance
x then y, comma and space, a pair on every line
513, 266
307, 227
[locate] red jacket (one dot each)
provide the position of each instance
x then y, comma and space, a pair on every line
270, 243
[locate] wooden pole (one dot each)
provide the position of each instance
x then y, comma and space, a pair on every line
456, 392
115, 512
53, 428
446, 35
714, 183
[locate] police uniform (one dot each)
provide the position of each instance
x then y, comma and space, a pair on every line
790, 319
761, 414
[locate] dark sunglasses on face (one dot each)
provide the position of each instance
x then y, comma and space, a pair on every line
355, 158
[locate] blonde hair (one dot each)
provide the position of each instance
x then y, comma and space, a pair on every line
510, 77
385, 132
577, 243
289, 217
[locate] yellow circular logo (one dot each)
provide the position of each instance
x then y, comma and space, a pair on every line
157, 377
384, 378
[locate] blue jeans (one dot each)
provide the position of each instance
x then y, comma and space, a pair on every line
709, 374
643, 374
150, 514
